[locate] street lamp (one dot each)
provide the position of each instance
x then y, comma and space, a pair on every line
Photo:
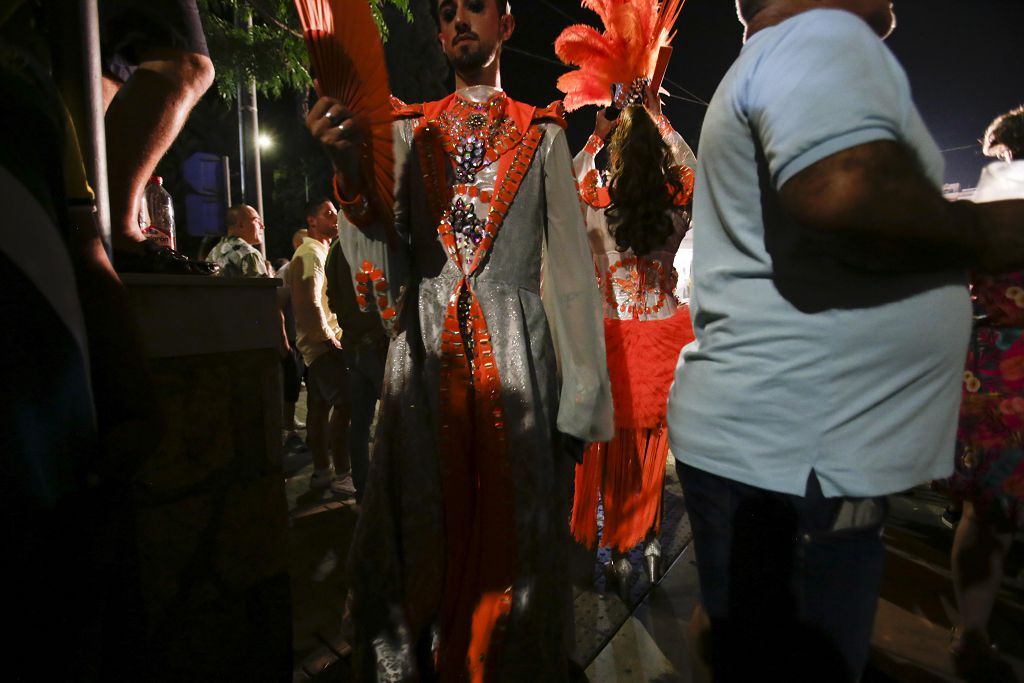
266, 142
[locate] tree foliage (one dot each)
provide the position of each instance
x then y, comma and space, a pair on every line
272, 52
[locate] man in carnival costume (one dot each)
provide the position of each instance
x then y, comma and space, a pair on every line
492, 385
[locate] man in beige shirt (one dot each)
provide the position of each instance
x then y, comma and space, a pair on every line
318, 337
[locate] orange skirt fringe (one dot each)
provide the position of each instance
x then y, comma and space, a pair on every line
628, 473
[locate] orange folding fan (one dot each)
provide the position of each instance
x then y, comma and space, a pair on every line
348, 58
636, 44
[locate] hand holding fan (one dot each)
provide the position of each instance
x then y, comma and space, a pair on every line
348, 59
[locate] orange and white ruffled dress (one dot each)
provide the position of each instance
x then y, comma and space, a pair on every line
645, 330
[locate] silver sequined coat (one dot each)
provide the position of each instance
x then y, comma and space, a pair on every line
549, 345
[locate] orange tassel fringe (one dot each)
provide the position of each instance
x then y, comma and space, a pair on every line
629, 472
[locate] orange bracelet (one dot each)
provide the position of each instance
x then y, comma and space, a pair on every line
357, 209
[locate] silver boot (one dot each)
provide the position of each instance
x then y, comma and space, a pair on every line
652, 559
619, 574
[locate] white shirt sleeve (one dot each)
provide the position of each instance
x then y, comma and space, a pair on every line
573, 304
583, 164
1000, 180
682, 154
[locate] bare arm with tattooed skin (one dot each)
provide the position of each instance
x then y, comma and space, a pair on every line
877, 202
874, 207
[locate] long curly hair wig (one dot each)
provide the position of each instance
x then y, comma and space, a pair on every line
1005, 136
641, 185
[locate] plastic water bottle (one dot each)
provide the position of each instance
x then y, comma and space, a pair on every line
156, 214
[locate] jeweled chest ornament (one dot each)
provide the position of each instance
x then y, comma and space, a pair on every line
469, 158
475, 134
469, 228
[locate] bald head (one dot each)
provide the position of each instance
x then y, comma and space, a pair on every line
760, 14
747, 9
244, 221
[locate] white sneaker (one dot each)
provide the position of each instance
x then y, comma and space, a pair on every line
322, 479
344, 486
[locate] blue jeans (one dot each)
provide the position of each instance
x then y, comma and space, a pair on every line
365, 382
789, 583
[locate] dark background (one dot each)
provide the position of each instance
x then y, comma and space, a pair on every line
963, 58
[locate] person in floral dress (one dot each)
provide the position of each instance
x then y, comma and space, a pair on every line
989, 475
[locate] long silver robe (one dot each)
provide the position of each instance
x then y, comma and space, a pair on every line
549, 348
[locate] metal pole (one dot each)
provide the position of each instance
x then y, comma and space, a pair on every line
254, 118
241, 126
88, 15
241, 146
254, 126
227, 180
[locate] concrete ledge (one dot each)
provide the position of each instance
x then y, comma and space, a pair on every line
187, 315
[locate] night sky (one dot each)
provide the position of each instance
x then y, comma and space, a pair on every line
963, 58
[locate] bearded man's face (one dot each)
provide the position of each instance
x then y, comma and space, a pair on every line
472, 32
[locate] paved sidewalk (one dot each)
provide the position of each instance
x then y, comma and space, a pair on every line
645, 637
918, 606
321, 527
915, 613
651, 644
600, 613
321, 530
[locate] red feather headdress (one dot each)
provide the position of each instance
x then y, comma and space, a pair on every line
635, 45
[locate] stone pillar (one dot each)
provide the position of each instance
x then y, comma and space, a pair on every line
211, 515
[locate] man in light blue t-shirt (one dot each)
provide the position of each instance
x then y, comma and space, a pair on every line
832, 315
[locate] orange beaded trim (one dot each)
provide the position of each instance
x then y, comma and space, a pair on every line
594, 144
592, 193
507, 189
370, 281
473, 191
433, 168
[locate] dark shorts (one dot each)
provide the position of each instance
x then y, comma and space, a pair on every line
292, 370
129, 27
327, 378
790, 583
